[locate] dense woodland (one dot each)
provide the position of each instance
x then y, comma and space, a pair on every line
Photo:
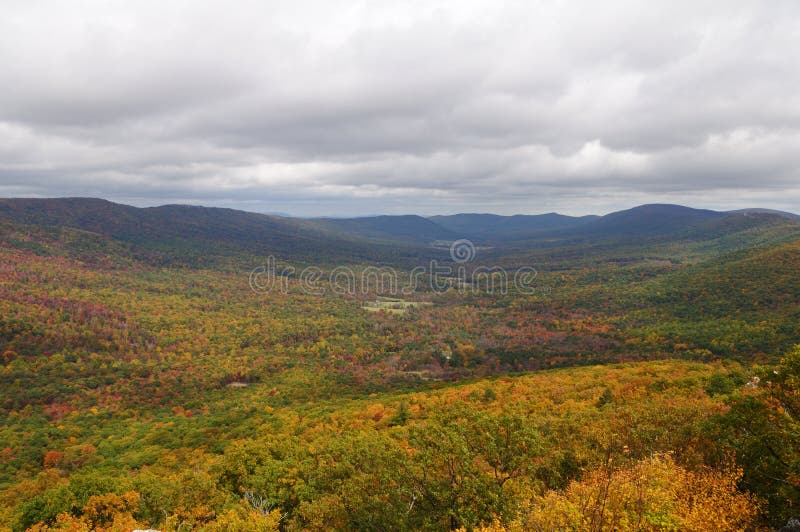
648, 383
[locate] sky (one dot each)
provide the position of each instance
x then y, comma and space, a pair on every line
345, 108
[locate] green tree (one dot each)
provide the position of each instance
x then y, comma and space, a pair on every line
462, 465
763, 428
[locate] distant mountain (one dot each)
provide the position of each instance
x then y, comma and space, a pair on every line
407, 228
496, 227
663, 231
193, 234
675, 223
790, 215
642, 222
650, 220
735, 222
183, 231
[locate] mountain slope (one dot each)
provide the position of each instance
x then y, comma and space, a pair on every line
790, 215
406, 228
188, 232
650, 220
751, 280
191, 234
740, 304
496, 227
635, 225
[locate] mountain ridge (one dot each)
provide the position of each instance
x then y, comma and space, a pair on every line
226, 231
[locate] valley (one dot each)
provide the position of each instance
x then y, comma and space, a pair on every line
146, 383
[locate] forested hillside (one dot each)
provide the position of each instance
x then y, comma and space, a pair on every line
649, 383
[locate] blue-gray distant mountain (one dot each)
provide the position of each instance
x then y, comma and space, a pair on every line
191, 234
650, 220
496, 227
404, 228
790, 215
172, 232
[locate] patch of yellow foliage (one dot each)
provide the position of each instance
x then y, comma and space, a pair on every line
655, 494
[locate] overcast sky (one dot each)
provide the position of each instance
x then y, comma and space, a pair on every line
356, 107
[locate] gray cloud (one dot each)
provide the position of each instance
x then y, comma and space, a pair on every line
432, 107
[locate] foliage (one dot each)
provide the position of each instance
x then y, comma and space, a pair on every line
138, 393
762, 427
653, 494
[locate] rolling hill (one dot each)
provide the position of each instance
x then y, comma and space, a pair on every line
189, 234
790, 215
642, 225
496, 227
405, 228
140, 395
173, 232
649, 220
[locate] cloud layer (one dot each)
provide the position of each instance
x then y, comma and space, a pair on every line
312, 108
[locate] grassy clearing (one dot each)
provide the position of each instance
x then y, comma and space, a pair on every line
392, 305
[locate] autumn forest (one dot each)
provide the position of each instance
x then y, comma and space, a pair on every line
647, 380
